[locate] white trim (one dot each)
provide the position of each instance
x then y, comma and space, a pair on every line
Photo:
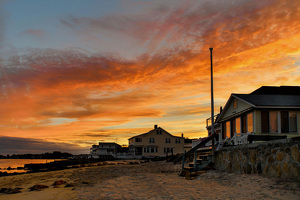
243, 100
277, 107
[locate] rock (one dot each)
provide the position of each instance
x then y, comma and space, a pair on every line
60, 182
271, 159
295, 153
70, 185
3, 173
253, 156
279, 156
9, 168
10, 190
38, 187
248, 169
279, 171
287, 150
285, 169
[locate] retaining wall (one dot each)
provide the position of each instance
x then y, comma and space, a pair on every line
274, 159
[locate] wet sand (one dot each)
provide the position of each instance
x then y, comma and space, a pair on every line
153, 180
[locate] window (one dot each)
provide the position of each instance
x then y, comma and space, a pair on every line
278, 121
168, 150
293, 121
244, 124
150, 150
238, 125
168, 140
284, 115
228, 129
158, 131
232, 127
138, 139
250, 123
273, 122
151, 140
223, 130
265, 121
234, 104
177, 140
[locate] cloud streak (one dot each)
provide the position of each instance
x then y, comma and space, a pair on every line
167, 81
17, 145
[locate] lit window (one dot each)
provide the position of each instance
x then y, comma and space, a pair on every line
250, 123
238, 125
234, 103
228, 129
273, 122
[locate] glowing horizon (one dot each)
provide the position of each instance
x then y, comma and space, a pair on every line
74, 74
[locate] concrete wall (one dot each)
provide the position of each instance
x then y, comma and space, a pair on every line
274, 159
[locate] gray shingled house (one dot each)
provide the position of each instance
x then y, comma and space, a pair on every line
268, 110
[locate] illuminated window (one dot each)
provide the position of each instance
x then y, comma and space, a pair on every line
238, 125
228, 129
250, 123
234, 103
273, 122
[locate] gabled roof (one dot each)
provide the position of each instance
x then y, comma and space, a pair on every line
281, 90
144, 134
268, 97
270, 100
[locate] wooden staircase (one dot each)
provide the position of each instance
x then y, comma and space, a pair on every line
202, 157
200, 145
202, 162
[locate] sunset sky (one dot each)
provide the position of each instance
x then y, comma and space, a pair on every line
74, 73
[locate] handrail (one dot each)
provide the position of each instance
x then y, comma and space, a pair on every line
201, 144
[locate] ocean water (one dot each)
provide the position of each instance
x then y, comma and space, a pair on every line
14, 163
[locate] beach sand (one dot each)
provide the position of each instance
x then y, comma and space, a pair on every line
152, 180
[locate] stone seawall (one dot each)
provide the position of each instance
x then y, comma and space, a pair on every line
274, 159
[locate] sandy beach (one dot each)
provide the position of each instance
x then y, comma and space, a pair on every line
151, 180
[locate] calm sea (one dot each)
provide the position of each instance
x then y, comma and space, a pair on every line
14, 163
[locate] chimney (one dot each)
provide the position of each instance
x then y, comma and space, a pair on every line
155, 126
182, 135
221, 109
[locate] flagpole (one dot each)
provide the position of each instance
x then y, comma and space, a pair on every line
212, 103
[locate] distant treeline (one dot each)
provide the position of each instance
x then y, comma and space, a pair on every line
53, 155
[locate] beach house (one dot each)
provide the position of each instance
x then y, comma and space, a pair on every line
156, 142
105, 149
267, 111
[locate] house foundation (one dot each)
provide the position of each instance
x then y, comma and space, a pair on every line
280, 158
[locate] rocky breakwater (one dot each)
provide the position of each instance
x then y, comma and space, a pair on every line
274, 159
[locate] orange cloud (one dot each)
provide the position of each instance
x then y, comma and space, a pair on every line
65, 96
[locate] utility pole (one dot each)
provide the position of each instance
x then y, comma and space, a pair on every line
212, 105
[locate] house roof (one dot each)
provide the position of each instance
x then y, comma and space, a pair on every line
268, 97
270, 100
281, 90
144, 134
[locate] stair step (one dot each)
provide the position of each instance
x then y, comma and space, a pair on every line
189, 168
